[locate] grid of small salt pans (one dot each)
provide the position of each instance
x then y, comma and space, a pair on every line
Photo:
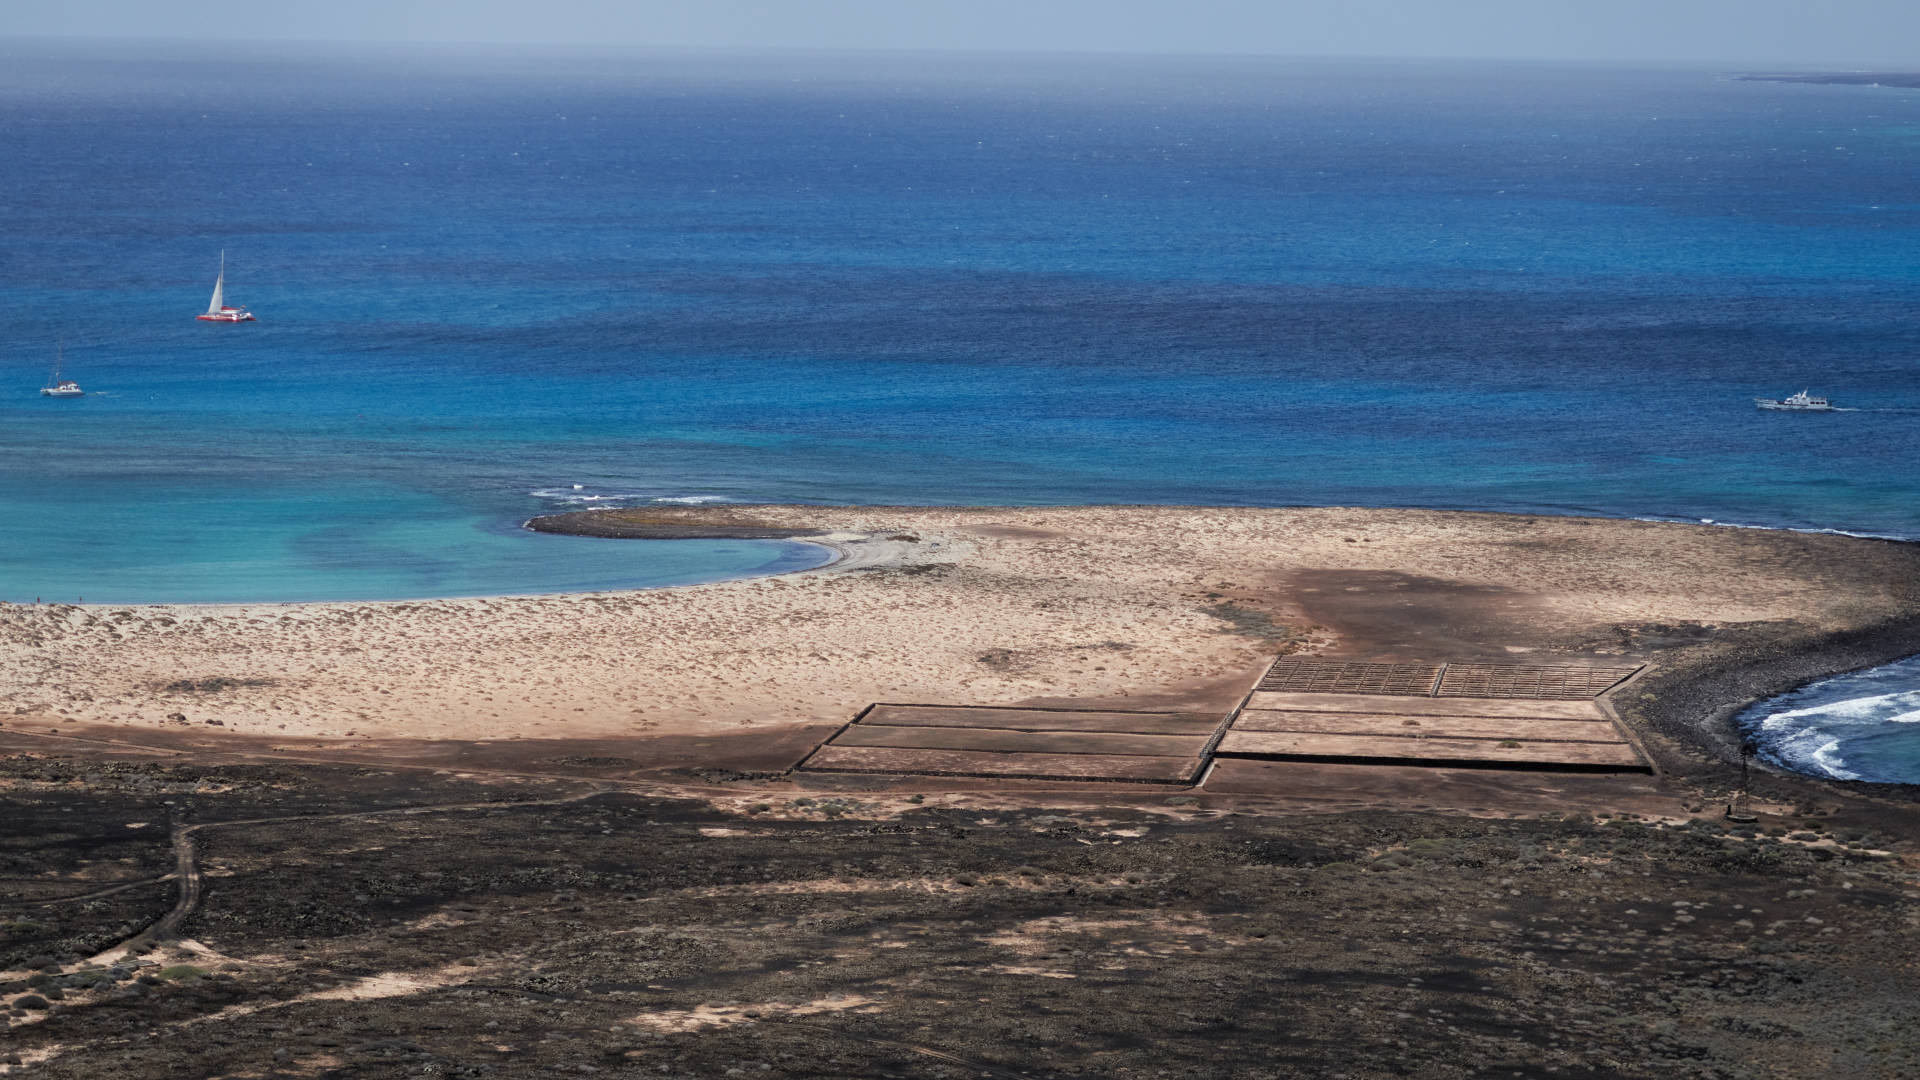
1346, 677
1541, 682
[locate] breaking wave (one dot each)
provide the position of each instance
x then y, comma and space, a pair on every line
585, 496
1860, 726
1905, 538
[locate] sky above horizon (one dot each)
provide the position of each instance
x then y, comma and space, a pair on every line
1879, 33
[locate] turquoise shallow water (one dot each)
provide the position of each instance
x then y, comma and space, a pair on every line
376, 548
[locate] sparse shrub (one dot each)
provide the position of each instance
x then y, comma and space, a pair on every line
1337, 870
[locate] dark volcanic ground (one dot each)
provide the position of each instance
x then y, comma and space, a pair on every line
366, 922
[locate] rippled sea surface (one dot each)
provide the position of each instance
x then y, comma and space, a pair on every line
495, 285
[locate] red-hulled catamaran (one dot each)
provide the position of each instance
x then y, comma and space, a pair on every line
217, 310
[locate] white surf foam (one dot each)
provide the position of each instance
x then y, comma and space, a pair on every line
1876, 708
581, 495
1820, 727
1829, 759
586, 495
1775, 528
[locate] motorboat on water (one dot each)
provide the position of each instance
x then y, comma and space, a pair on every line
1800, 402
57, 386
217, 310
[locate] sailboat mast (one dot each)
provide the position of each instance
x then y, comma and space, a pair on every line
219, 286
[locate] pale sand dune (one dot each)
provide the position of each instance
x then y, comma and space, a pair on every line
988, 606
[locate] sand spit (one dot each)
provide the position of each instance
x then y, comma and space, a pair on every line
1128, 605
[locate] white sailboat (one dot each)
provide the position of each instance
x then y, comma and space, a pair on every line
57, 386
217, 309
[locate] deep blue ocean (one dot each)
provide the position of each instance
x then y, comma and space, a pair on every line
496, 284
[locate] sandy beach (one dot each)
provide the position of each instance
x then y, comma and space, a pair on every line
1128, 605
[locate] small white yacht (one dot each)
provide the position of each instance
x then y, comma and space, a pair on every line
57, 386
1800, 402
217, 308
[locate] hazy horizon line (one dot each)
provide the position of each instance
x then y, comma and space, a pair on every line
1757, 66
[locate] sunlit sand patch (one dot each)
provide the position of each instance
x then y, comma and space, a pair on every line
851, 886
712, 1016
387, 984
1042, 935
371, 988
177, 951
36, 1056
440, 920
880, 806
1022, 969
1094, 818
199, 951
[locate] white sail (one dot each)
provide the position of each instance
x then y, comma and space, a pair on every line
219, 287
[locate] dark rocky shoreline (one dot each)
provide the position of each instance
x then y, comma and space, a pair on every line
1696, 700
1693, 698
